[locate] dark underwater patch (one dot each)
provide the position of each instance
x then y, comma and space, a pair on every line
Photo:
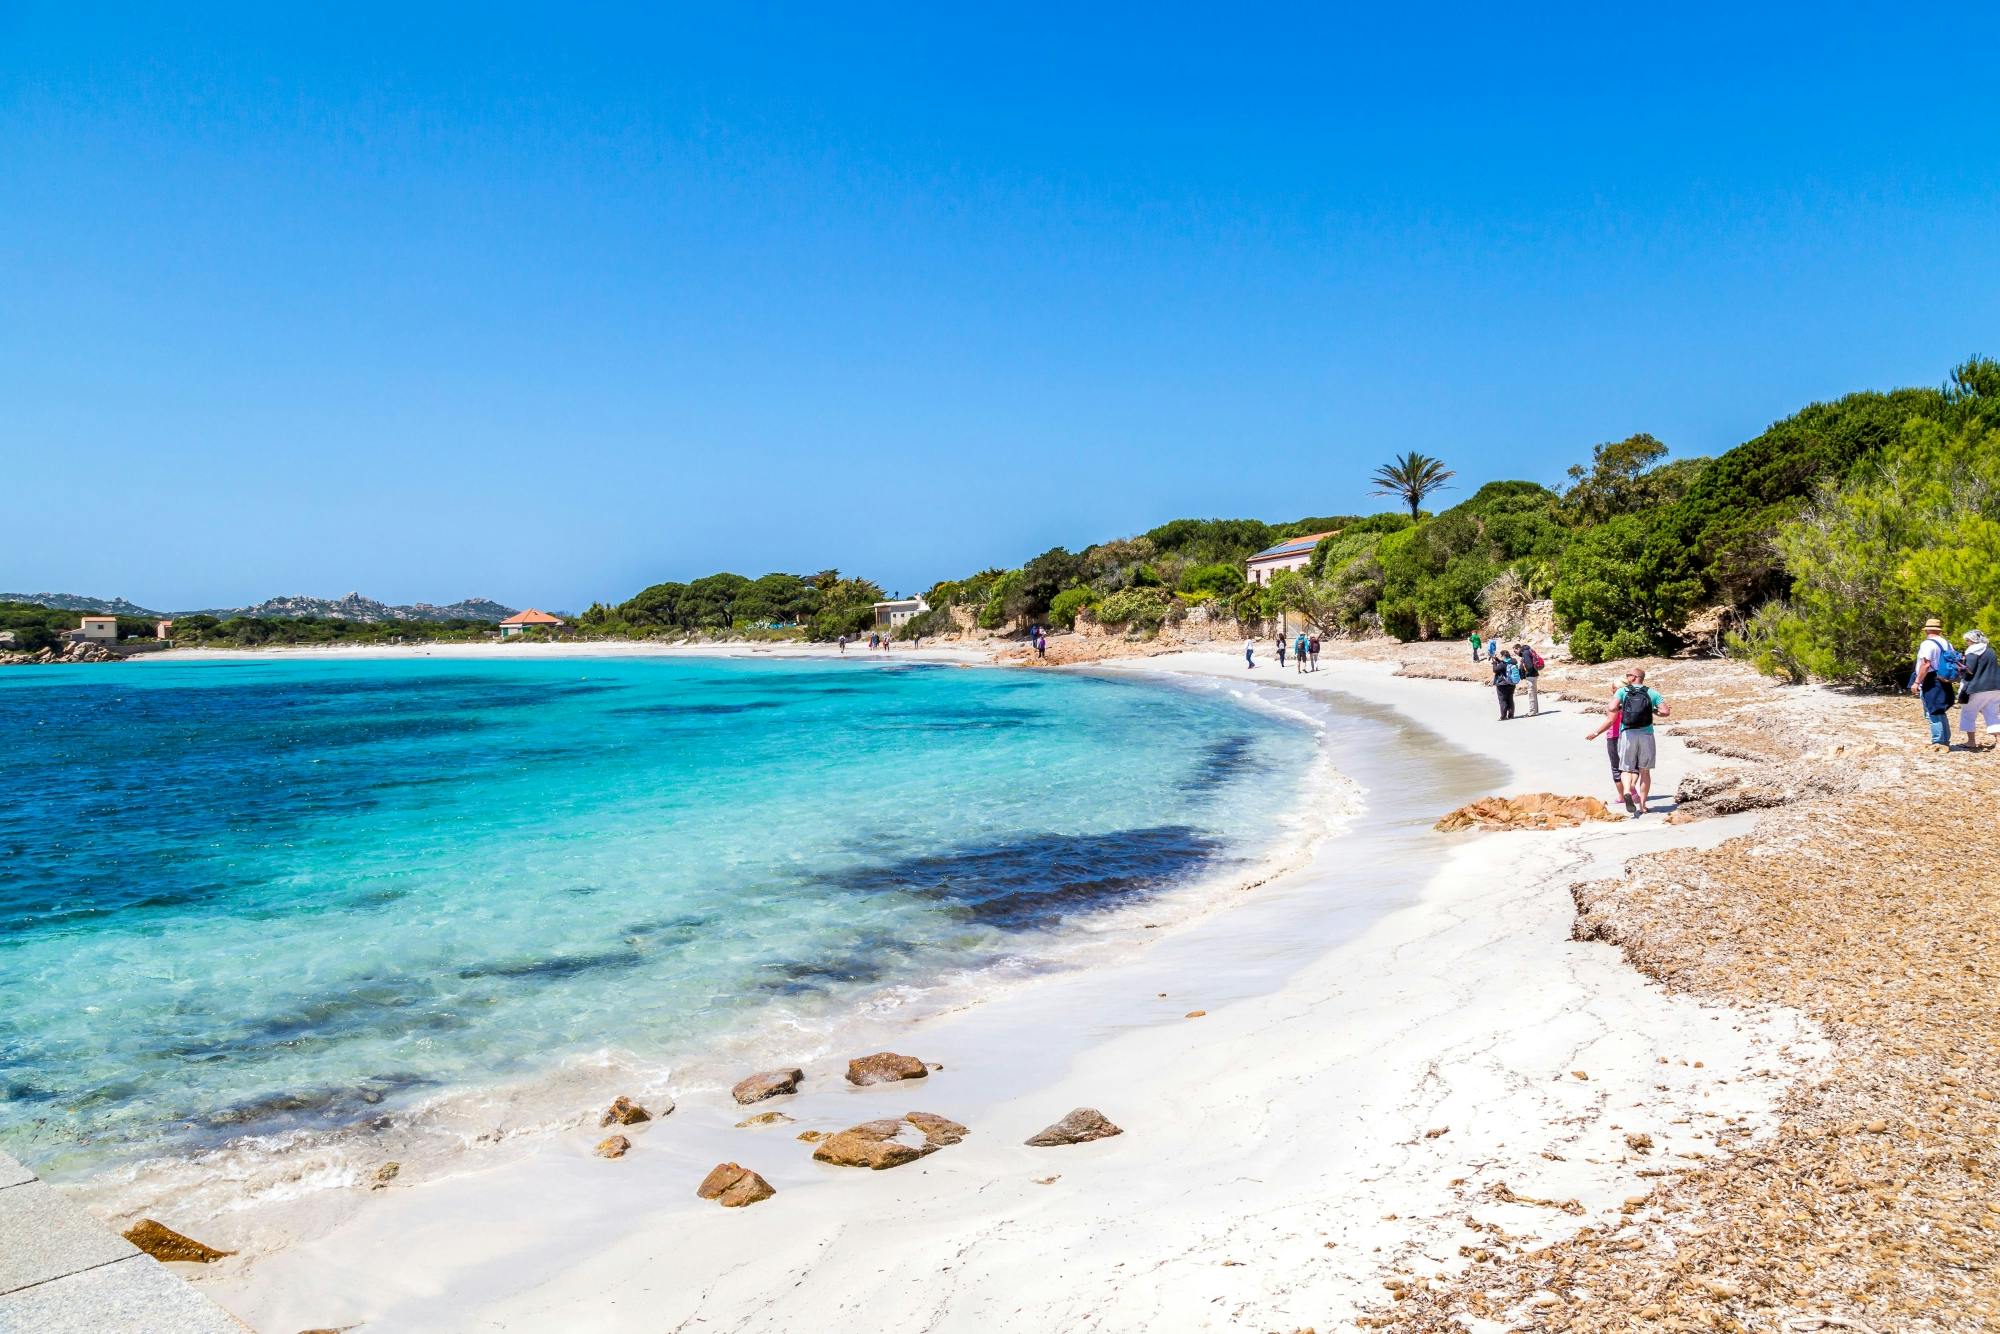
1222, 761
556, 966
1038, 881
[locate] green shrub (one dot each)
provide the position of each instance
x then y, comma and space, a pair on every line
1139, 608
1064, 606
1219, 579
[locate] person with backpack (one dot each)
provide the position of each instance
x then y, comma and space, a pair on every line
1299, 651
1632, 711
1505, 677
1935, 680
1531, 665
1979, 690
1312, 650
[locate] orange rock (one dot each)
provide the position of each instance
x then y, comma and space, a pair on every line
624, 1112
163, 1243
732, 1186
613, 1146
1536, 810
885, 1067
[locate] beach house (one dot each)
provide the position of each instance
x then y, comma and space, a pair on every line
530, 619
892, 612
1290, 554
97, 630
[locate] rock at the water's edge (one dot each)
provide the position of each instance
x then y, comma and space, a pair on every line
767, 1084
889, 1142
763, 1119
383, 1175
163, 1243
885, 1067
732, 1186
624, 1112
1079, 1127
1535, 810
613, 1146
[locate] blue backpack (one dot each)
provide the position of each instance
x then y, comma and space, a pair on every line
1950, 662
1514, 673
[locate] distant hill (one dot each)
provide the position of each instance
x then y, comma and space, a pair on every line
353, 607
71, 602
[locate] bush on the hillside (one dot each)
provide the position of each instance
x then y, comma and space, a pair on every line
1609, 586
1004, 601
1064, 606
1916, 534
1140, 608
1433, 572
1587, 645
1219, 579
926, 625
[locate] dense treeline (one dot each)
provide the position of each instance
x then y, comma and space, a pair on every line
36, 627
822, 606
1835, 531
205, 631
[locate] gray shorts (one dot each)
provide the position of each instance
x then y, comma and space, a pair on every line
1635, 751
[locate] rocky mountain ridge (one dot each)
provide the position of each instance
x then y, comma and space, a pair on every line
353, 607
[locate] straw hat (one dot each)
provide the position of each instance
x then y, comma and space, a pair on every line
1933, 626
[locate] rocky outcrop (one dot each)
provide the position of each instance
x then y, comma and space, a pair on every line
624, 1112
163, 1243
1079, 1127
884, 1067
768, 1084
889, 1142
1536, 810
613, 1146
732, 1186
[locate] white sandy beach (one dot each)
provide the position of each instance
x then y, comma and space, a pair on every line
1392, 1034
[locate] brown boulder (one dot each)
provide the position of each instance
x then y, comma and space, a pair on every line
1079, 1127
624, 1112
767, 1084
383, 1175
613, 1146
732, 1186
889, 1142
885, 1067
163, 1243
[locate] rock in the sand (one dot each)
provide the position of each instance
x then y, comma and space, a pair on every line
732, 1186
763, 1119
767, 1084
1079, 1127
383, 1175
889, 1142
163, 1243
613, 1146
810, 1136
885, 1067
1536, 810
624, 1112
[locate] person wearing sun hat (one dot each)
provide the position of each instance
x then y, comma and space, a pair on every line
1934, 686
1979, 684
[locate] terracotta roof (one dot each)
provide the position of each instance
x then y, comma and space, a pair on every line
1291, 546
532, 617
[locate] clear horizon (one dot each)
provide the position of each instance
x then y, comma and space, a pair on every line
545, 311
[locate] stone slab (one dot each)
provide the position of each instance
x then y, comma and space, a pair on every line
44, 1236
132, 1296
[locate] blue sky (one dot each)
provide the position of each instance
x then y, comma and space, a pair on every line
547, 304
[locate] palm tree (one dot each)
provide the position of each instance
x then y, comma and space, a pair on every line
1412, 477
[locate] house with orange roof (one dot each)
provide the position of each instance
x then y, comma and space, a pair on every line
530, 619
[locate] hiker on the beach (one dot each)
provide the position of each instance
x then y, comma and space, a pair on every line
1610, 730
1475, 646
1281, 648
1299, 652
1935, 680
1250, 655
1312, 647
1503, 682
843, 643
1979, 690
1041, 645
1531, 664
1633, 708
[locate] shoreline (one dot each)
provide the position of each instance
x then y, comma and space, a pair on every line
1260, 1084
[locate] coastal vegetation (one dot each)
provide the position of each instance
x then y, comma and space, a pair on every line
818, 606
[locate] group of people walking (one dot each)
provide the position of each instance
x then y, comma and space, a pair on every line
1968, 677
1305, 651
1514, 669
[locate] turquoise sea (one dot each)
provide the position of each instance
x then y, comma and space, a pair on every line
246, 898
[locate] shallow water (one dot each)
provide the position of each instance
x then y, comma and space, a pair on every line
250, 898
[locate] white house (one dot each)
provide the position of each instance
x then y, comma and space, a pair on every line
893, 612
98, 630
1290, 554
